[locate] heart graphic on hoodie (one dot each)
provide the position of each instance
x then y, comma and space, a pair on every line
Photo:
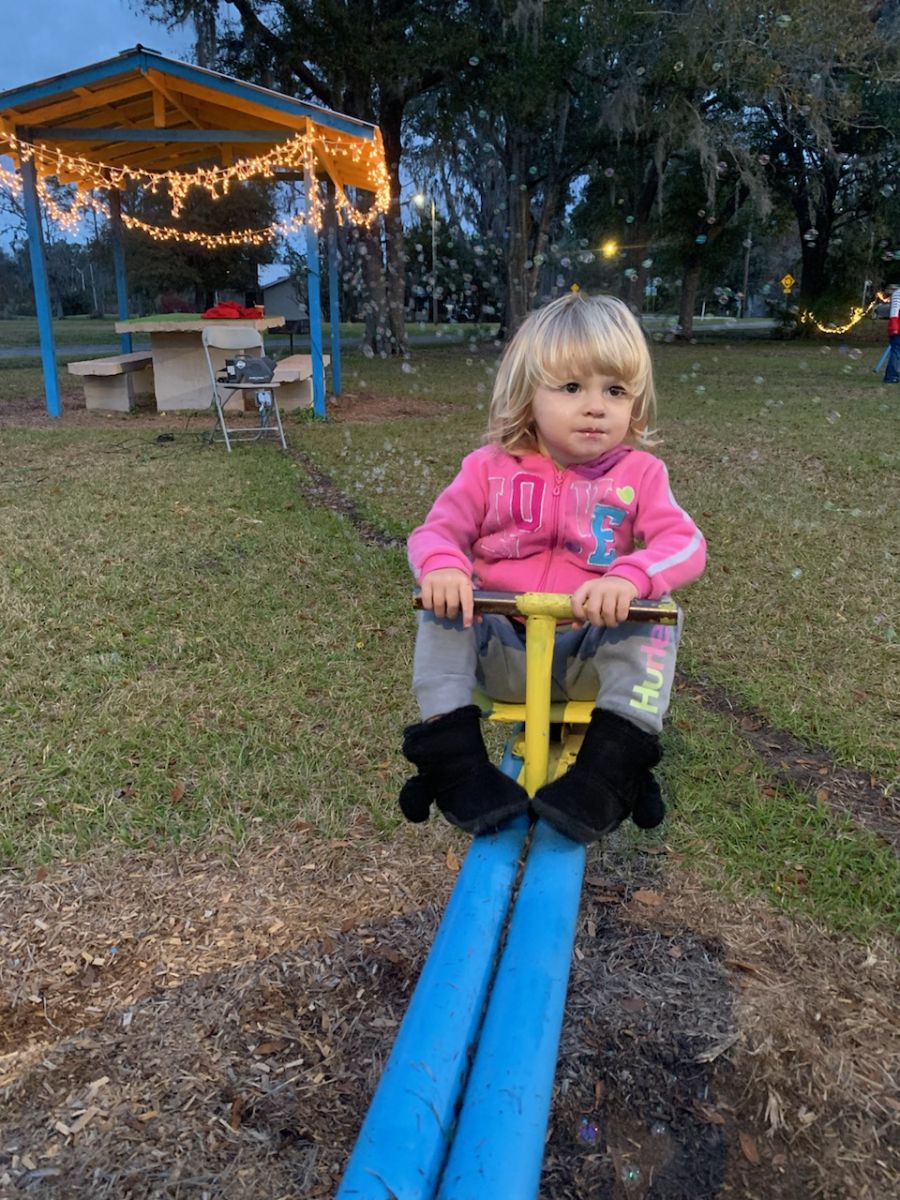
625, 494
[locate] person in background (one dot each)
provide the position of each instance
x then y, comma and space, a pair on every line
892, 371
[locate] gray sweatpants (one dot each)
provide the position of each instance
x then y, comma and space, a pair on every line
628, 670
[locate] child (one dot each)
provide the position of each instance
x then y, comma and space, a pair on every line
562, 499
892, 371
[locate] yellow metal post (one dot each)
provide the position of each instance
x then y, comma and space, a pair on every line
539, 664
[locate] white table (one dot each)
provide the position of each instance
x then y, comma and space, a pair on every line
180, 374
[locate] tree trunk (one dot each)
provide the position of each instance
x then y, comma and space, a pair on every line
390, 125
374, 303
814, 209
690, 285
636, 252
519, 221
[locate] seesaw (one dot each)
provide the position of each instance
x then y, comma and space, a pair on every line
461, 1110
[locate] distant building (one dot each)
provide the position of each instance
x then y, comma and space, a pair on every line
281, 298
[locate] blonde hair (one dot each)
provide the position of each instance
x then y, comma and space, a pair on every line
576, 335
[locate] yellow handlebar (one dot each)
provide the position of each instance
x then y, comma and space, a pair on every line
559, 606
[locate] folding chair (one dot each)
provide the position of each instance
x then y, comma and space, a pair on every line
246, 341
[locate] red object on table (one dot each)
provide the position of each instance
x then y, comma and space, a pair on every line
228, 310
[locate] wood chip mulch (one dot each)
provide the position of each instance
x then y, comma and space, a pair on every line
196, 1024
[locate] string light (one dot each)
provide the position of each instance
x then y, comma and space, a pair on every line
299, 152
856, 315
68, 218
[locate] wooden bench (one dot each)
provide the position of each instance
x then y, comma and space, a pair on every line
112, 383
295, 376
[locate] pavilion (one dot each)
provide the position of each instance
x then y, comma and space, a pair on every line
144, 119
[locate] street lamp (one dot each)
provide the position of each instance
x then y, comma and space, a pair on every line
609, 249
420, 200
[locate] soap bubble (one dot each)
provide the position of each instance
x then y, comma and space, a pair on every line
796, 573
609, 172
679, 66
833, 417
631, 1175
473, 61
647, 263
763, 160
758, 379
783, 20
588, 1132
700, 239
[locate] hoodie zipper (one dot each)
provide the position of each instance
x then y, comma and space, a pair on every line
558, 477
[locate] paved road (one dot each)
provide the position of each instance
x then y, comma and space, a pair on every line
89, 350
752, 326
96, 349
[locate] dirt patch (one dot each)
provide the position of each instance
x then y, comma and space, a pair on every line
31, 412
870, 803
179, 1026
367, 406
716, 1051
320, 490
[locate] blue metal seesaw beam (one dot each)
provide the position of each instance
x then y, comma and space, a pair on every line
498, 1144
403, 1144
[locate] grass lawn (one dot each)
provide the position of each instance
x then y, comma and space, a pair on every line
190, 649
73, 331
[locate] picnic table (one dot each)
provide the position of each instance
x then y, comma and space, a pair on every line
180, 374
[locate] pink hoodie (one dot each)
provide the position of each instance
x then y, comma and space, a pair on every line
522, 524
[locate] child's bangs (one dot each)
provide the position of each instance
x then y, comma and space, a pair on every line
584, 342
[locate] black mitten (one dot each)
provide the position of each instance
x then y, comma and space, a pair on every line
415, 799
649, 808
455, 772
605, 783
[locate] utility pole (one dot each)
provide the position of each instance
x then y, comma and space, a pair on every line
748, 243
434, 294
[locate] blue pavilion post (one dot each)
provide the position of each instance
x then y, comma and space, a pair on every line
118, 249
41, 285
315, 296
334, 299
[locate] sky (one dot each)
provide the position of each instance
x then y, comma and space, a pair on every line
42, 38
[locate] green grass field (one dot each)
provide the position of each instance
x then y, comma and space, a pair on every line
73, 331
190, 649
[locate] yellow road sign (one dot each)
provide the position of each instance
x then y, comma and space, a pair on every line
788, 281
